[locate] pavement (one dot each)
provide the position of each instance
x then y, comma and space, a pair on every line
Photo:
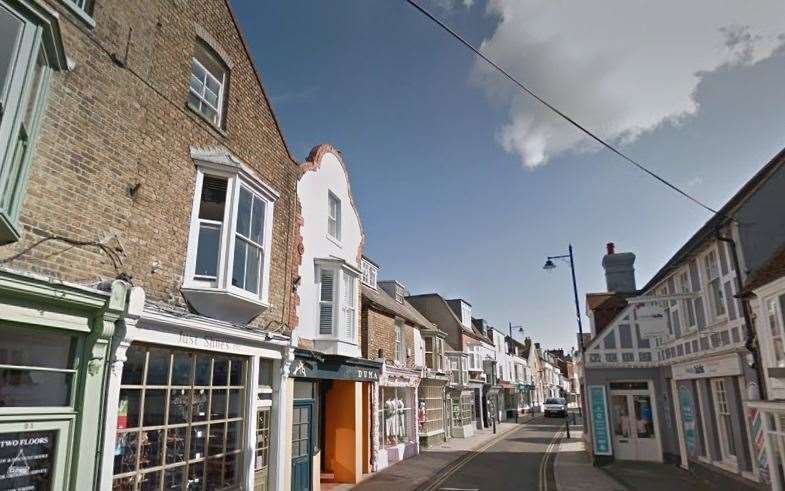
574, 472
472, 463
536, 455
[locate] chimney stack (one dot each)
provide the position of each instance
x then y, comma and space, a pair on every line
619, 270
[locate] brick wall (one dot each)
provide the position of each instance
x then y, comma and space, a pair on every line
108, 128
378, 332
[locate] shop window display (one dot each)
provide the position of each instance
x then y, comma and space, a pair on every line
432, 403
180, 420
396, 415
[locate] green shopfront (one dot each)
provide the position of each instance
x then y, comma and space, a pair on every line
54, 340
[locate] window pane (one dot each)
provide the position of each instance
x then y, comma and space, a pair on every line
32, 388
154, 407
234, 435
150, 481
216, 445
175, 445
257, 224
128, 408
237, 372
199, 404
197, 72
173, 478
207, 251
265, 372
213, 199
202, 375
244, 204
151, 449
31, 347
133, 368
181, 368
10, 28
220, 371
218, 405
198, 440
238, 267
157, 366
179, 402
196, 84
125, 453
252, 269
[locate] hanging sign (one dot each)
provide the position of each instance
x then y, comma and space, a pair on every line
26, 460
599, 420
651, 320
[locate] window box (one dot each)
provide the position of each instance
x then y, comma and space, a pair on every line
227, 270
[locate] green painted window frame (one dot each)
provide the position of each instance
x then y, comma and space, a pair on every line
23, 104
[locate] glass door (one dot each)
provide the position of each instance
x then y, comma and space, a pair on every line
623, 440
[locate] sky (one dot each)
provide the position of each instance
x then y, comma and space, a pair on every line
465, 185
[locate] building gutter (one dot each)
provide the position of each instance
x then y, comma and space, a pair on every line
749, 329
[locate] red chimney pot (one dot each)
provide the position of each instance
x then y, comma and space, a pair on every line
611, 247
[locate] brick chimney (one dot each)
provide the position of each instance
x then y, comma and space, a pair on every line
619, 270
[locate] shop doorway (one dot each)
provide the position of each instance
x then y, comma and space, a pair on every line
302, 445
634, 418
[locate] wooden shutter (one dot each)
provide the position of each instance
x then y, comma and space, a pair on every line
348, 305
326, 303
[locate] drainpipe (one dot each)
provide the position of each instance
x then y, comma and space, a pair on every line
750, 331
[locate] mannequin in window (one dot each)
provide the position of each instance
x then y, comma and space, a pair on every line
401, 416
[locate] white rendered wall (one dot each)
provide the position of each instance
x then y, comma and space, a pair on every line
313, 188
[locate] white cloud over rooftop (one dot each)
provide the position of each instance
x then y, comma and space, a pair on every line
620, 68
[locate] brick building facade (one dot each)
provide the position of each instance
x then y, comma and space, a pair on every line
145, 117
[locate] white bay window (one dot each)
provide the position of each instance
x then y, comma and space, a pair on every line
337, 300
228, 250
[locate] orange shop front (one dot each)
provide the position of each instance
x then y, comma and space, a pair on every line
331, 420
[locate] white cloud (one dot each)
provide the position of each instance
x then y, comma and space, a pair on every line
619, 67
452, 4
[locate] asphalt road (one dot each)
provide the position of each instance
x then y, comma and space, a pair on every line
521, 460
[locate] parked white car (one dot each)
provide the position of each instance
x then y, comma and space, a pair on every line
555, 407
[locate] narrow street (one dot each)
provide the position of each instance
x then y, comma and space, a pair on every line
526, 453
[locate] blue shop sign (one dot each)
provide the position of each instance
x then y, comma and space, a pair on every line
687, 404
599, 420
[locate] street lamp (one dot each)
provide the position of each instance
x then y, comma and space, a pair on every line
550, 265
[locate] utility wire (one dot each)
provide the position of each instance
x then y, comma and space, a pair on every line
558, 111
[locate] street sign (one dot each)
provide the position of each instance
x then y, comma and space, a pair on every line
601, 437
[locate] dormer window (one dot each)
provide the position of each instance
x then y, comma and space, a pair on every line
370, 273
333, 216
229, 243
399, 293
466, 314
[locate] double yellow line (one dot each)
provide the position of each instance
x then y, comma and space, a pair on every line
462, 461
543, 474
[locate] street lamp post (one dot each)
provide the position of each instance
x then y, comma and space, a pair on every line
550, 265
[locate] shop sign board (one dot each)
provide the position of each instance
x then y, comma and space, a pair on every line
333, 369
601, 437
27, 460
687, 404
726, 366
